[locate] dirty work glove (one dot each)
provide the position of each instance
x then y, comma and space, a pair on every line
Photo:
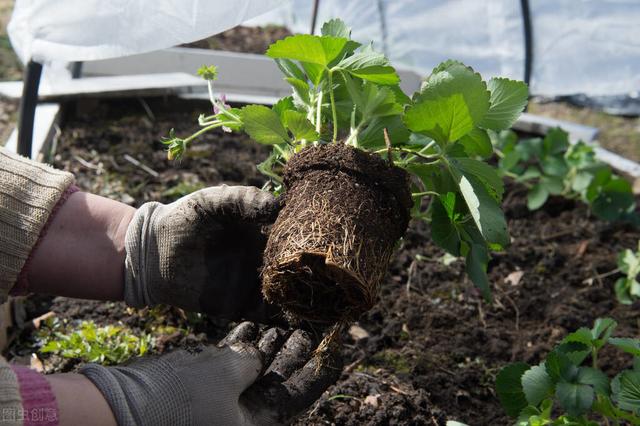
201, 252
253, 379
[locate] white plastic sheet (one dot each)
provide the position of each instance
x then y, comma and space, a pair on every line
580, 46
83, 30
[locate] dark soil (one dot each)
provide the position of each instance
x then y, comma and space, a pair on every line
328, 251
243, 39
429, 350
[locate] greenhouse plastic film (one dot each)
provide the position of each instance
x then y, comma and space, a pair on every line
82, 30
586, 46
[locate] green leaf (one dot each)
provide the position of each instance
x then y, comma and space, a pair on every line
371, 66
318, 50
483, 207
554, 185
626, 344
508, 100
554, 166
560, 367
443, 119
300, 126
336, 28
615, 199
537, 384
283, 104
372, 136
582, 335
595, 378
263, 125
477, 142
556, 141
443, 231
575, 398
375, 101
625, 388
484, 172
476, 267
290, 69
300, 89
537, 196
622, 291
602, 329
452, 78
509, 388
574, 352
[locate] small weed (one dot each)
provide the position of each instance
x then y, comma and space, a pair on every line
392, 360
91, 343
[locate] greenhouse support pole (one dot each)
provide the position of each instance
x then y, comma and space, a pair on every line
28, 103
314, 16
528, 40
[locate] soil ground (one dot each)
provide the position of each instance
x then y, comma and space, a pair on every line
430, 349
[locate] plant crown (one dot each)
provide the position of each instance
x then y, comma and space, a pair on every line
553, 166
344, 91
581, 390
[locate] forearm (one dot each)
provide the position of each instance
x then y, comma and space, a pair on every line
79, 401
82, 253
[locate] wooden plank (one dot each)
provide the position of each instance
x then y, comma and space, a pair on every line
44, 129
120, 86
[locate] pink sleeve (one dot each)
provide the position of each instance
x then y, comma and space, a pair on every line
22, 285
38, 401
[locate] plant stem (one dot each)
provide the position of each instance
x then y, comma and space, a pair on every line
219, 105
334, 114
319, 112
206, 129
422, 194
416, 153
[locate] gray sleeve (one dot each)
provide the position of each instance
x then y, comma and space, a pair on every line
149, 394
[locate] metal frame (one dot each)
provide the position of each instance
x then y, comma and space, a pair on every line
28, 104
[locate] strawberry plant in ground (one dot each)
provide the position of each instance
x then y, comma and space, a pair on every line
431, 350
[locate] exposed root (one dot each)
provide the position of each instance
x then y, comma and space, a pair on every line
330, 246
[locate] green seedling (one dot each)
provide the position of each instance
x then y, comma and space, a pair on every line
347, 92
569, 388
627, 288
91, 343
552, 166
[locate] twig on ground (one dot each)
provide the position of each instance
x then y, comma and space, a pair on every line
141, 166
85, 163
599, 277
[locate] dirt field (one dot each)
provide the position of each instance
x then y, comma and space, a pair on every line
430, 349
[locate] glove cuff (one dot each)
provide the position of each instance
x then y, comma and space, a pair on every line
139, 241
148, 393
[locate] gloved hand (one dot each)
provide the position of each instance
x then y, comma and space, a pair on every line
252, 379
201, 252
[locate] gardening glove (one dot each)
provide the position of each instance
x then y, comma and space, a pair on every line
251, 379
200, 253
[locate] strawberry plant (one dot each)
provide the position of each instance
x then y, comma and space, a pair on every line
627, 288
552, 166
569, 388
355, 157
